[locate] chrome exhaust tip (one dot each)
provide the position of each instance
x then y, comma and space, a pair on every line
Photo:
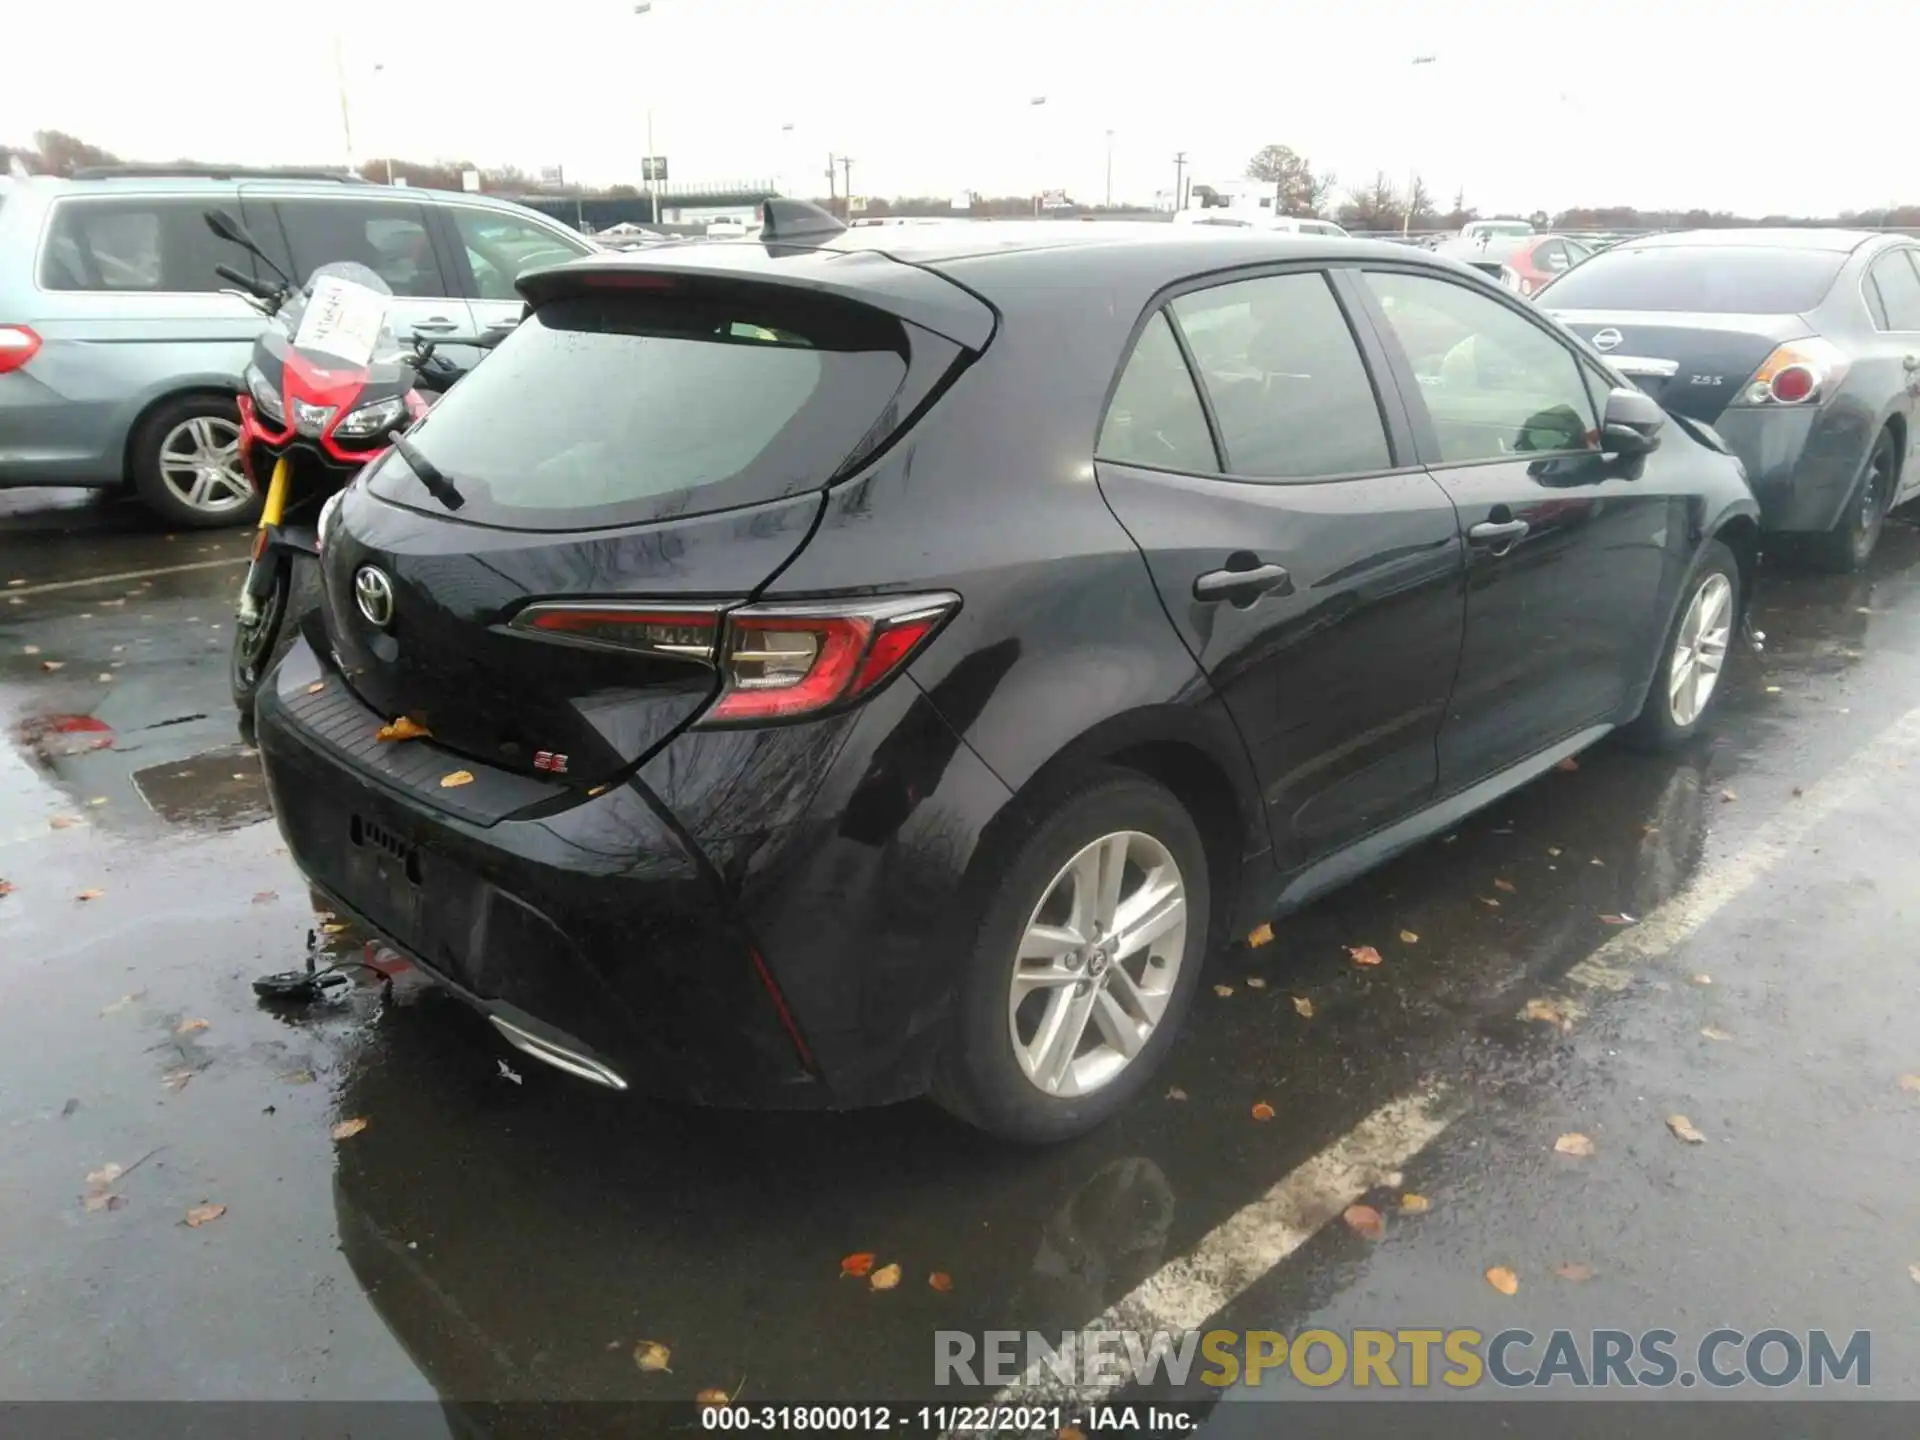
558, 1056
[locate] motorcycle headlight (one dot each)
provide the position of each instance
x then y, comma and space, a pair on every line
375, 419
265, 398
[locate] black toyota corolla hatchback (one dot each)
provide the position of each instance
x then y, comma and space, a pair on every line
863, 665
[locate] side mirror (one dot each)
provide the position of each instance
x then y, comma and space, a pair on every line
1632, 423
223, 224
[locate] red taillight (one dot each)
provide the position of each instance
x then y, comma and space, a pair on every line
1792, 385
776, 661
18, 345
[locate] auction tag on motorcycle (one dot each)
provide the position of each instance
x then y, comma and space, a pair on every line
342, 319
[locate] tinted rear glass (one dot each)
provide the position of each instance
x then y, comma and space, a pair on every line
1704, 279
621, 408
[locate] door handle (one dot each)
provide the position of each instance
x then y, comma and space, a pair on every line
1242, 587
1491, 532
438, 325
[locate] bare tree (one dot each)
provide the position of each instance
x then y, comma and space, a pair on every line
1296, 191
1377, 207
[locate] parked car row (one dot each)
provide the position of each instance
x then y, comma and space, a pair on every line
998, 624
121, 349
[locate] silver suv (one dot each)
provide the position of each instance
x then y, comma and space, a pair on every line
120, 356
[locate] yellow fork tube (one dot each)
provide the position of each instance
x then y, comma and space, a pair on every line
276, 503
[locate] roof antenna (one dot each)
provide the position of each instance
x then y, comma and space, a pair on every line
796, 222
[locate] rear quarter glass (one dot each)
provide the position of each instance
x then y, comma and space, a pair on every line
620, 409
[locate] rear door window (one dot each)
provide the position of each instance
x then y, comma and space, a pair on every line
155, 244
617, 408
1898, 284
1290, 392
389, 237
1156, 419
1701, 280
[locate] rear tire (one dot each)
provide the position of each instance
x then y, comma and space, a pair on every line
185, 464
1849, 545
258, 648
1689, 680
1140, 967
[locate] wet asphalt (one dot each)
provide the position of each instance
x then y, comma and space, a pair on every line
497, 1233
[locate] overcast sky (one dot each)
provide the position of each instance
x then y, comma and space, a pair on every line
1528, 104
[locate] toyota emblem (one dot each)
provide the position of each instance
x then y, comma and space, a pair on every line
373, 593
1608, 339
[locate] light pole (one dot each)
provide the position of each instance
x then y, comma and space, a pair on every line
1034, 103
346, 110
1413, 171
386, 117
1109, 203
649, 170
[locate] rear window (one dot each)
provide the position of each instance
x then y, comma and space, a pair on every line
618, 409
1703, 280
156, 245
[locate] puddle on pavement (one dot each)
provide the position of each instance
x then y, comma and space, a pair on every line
214, 790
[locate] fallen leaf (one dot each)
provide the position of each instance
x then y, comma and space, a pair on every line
177, 1079
1262, 1110
1553, 851
1365, 1221
1574, 1143
1542, 1010
347, 1129
1914, 1271
1910, 1082
1407, 937
1797, 791
1569, 764
187, 1027
1412, 1204
6, 887
596, 790
88, 894
202, 1214
941, 1281
53, 664
1503, 1280
403, 728
316, 687
98, 800
1703, 979
1176, 1093
507, 1072
885, 1278
105, 1176
125, 1000
859, 1265
1488, 901
1262, 935
298, 1077
29, 649
1773, 689
1727, 796
712, 1397
64, 822
651, 1355
1713, 1032
1506, 885
105, 1202
264, 897
104, 678
1254, 982
73, 1104
1304, 1006
1574, 1270
1596, 861
1223, 991
1684, 1130
458, 777
1364, 954
1621, 919
333, 927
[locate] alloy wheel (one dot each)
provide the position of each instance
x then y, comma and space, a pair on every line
200, 465
1098, 963
1700, 649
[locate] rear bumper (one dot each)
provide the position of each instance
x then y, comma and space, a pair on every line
1801, 464
47, 439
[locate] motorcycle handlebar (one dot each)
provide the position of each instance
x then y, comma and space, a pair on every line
259, 289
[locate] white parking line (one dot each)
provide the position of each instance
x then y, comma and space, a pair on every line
1184, 1293
52, 585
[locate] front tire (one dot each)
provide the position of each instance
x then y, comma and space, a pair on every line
1083, 963
1687, 683
257, 648
185, 464
1849, 545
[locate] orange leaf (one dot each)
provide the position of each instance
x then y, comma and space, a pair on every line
713, 1396
316, 687
1364, 954
1574, 1143
1503, 1280
201, 1214
858, 1265
651, 1355
89, 894
6, 887
403, 728
347, 1129
1574, 1270
940, 1281
1262, 1110
1304, 1006
187, 1027
1407, 937
1683, 1129
1223, 991
885, 1278
457, 778
1506, 885
1569, 764
1365, 1221
1262, 935
1412, 1204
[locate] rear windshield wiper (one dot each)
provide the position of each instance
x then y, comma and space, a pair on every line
438, 486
